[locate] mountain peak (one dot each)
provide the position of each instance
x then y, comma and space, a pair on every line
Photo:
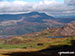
35, 12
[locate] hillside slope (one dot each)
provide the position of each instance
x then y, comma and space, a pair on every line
67, 30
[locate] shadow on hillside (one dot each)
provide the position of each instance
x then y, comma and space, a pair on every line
51, 51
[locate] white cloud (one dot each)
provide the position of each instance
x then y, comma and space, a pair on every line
14, 6
21, 5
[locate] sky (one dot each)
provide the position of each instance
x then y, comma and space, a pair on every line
51, 7
30, 0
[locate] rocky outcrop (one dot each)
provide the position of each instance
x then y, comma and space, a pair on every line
67, 30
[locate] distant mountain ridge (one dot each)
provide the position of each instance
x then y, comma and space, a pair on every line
28, 23
25, 23
63, 19
66, 19
5, 17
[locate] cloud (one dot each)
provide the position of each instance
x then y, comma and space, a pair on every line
70, 2
18, 5
14, 6
48, 6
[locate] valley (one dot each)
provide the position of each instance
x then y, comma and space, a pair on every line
35, 33
43, 38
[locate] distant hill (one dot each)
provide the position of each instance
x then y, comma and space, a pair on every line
18, 24
66, 19
32, 16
